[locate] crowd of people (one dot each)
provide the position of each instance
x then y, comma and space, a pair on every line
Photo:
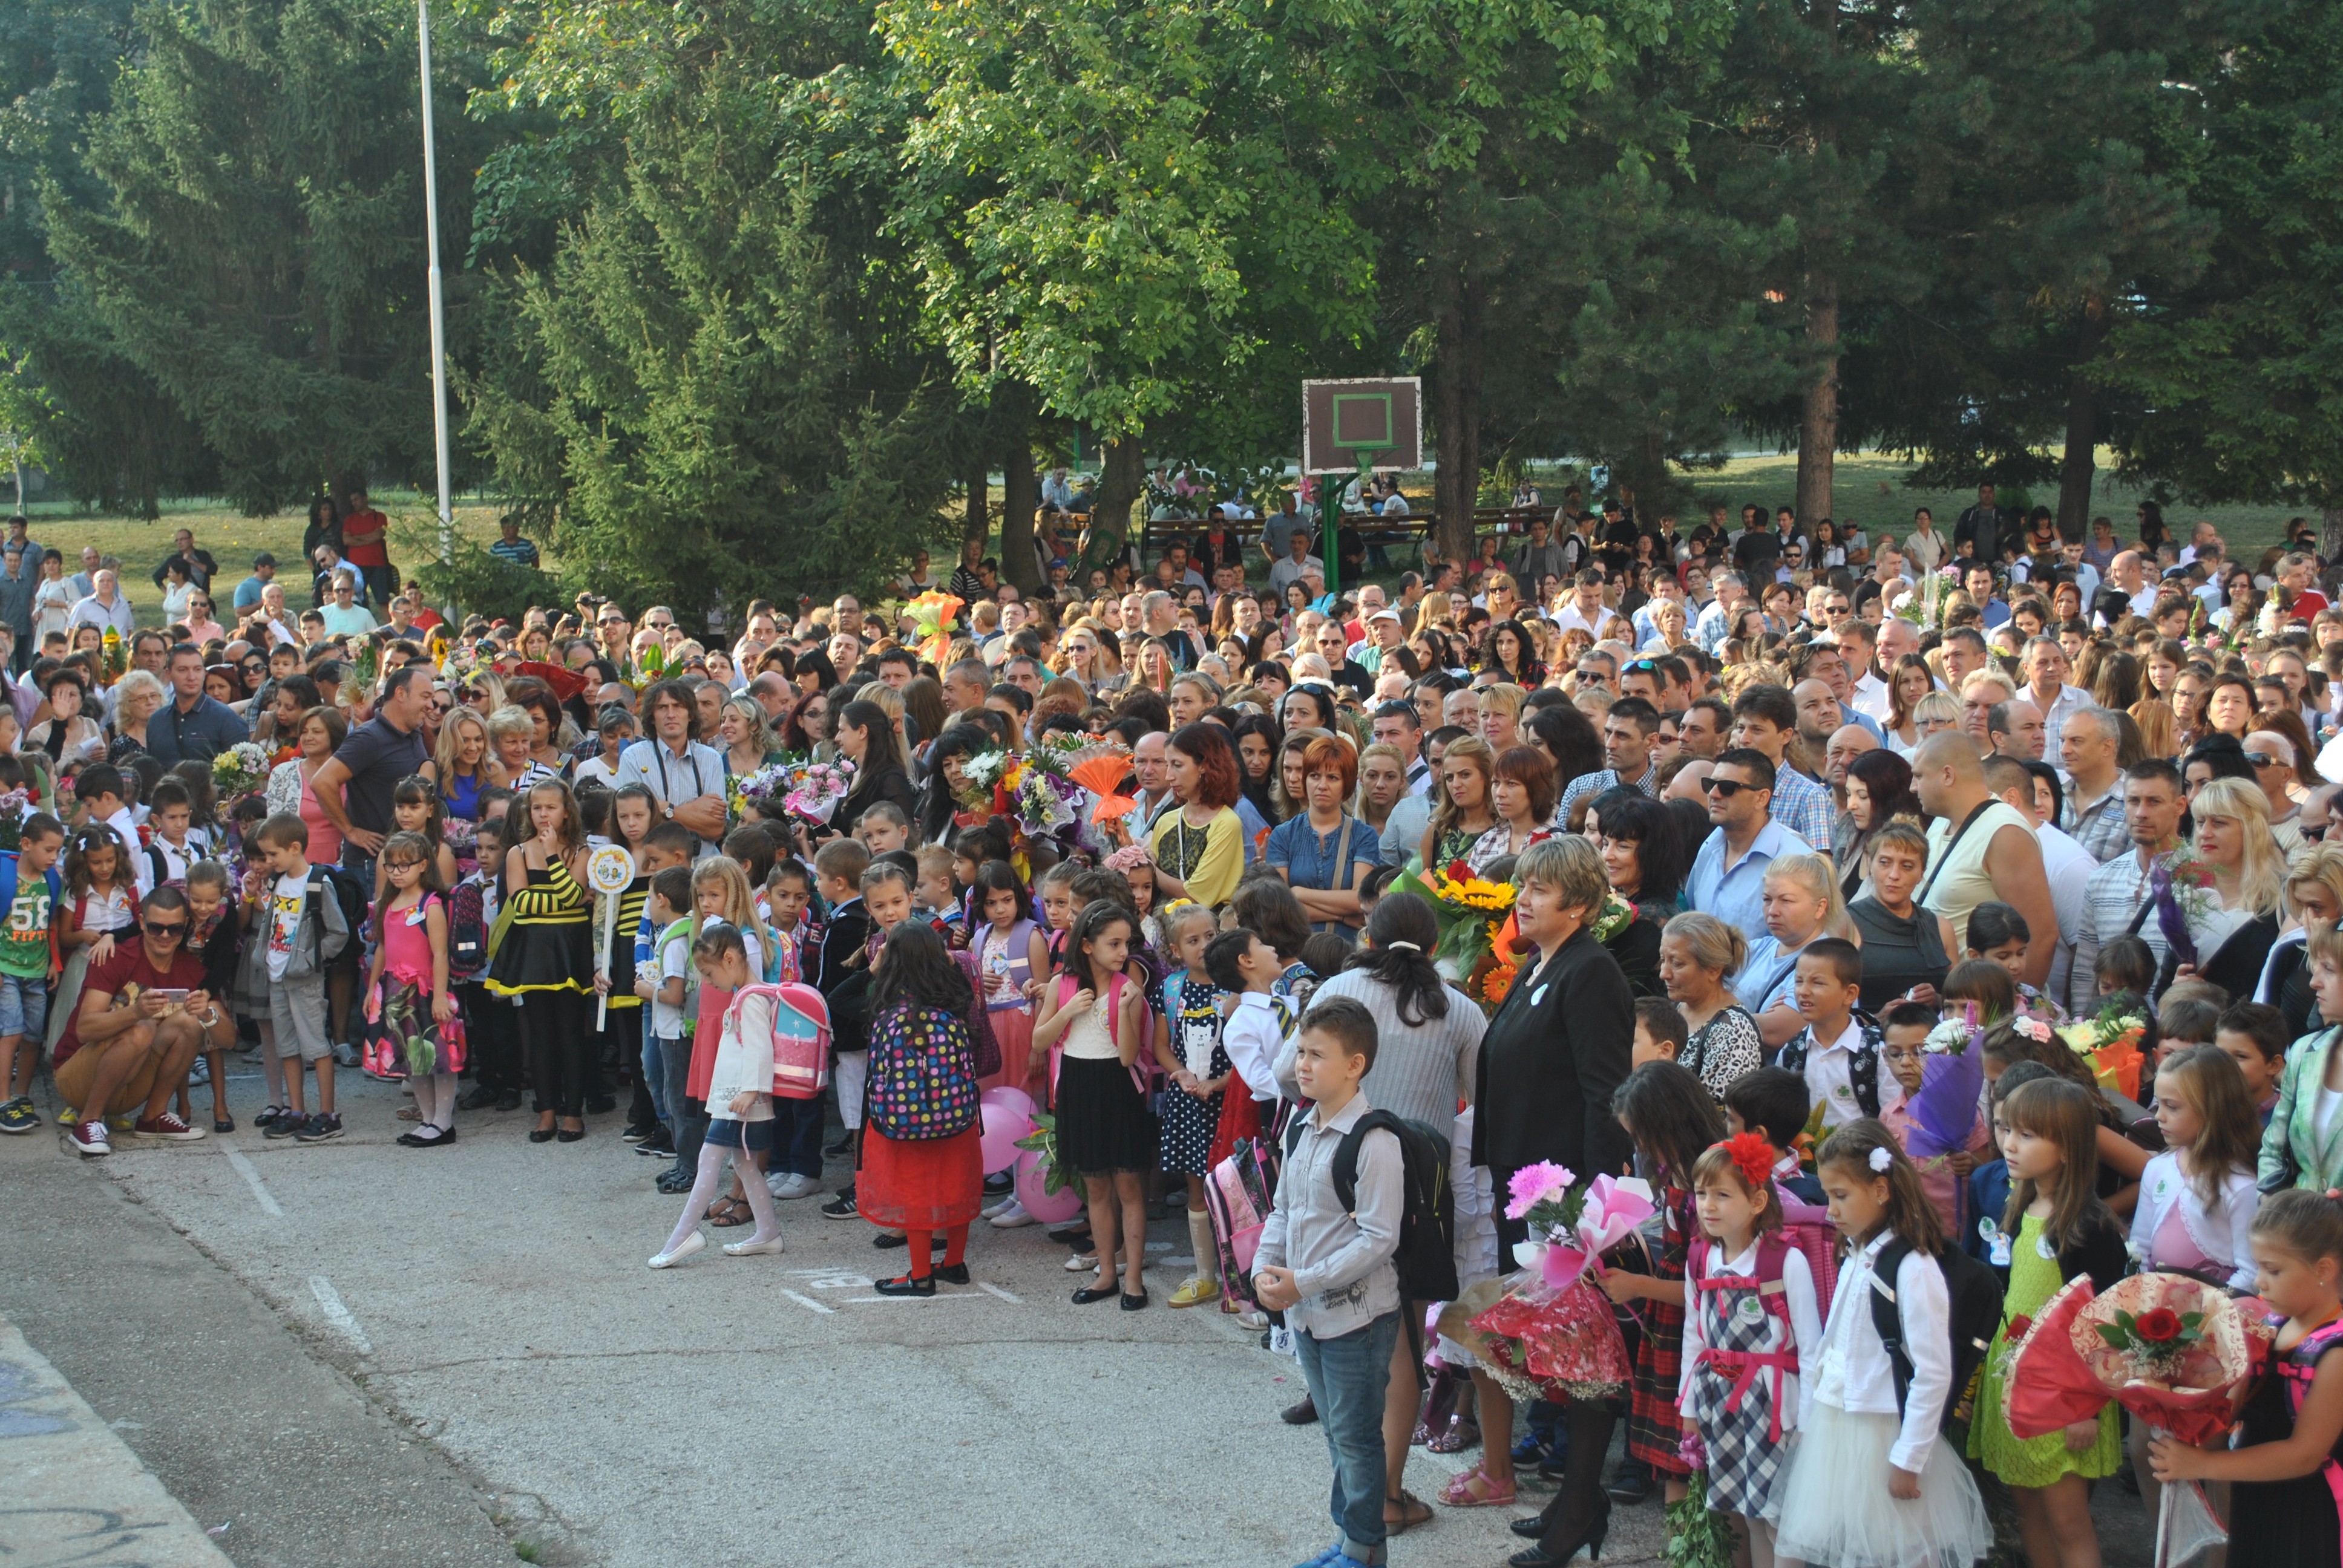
1774, 806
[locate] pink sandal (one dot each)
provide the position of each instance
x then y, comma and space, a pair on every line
1460, 1491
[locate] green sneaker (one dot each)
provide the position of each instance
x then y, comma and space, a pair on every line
18, 1116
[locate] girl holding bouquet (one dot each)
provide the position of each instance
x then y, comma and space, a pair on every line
2286, 1484
2058, 1228
412, 1028
1872, 1483
1748, 1347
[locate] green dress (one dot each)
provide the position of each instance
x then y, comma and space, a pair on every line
2034, 1279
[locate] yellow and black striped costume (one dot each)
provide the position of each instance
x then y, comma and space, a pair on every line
548, 942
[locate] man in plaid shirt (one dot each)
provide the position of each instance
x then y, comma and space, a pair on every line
2093, 813
2154, 801
1765, 719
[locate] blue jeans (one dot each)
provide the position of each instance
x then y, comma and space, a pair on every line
654, 1077
24, 1008
796, 1138
1347, 1376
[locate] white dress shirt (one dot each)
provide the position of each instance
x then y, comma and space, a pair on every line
1853, 1372
1804, 1329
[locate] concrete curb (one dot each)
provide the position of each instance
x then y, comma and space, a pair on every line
77, 1493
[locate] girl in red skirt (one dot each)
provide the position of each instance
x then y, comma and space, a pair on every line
922, 1169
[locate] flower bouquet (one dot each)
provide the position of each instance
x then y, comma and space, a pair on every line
769, 787
113, 657
816, 792
2179, 1353
239, 770
932, 616
1943, 1112
1548, 1328
2111, 1043
15, 806
2182, 887
982, 773
1473, 915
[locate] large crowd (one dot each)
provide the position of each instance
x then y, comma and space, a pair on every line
1148, 883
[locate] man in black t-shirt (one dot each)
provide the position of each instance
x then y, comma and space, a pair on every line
354, 787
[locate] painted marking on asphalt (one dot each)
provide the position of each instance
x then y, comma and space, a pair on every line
808, 1303
329, 1301
934, 1298
251, 1174
992, 1290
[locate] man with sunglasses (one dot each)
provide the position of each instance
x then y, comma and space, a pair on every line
144, 1016
1728, 875
2272, 757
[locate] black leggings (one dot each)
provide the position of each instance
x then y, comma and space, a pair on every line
555, 1024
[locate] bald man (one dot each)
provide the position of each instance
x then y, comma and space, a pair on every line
1691, 783
1981, 848
1847, 742
2016, 729
1979, 694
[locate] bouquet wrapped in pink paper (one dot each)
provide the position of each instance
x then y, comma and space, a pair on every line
1550, 1330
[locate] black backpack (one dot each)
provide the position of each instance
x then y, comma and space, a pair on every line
1426, 1258
1972, 1293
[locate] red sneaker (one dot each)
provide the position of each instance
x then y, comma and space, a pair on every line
166, 1125
89, 1139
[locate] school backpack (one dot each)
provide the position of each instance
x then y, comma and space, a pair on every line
1973, 1293
1773, 1247
468, 930
1426, 1257
348, 899
1238, 1197
918, 1090
801, 1036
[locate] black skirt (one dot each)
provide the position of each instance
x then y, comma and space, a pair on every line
1103, 1122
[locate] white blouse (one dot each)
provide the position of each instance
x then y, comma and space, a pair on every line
1804, 1330
1853, 1373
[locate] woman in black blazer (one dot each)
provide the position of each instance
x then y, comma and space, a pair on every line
1564, 1038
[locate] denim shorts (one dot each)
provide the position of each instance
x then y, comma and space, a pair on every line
24, 1007
755, 1137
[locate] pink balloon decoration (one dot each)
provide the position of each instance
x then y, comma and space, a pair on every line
1049, 1208
1016, 1100
1004, 1126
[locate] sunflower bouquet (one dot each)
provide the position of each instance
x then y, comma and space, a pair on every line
1475, 916
2110, 1044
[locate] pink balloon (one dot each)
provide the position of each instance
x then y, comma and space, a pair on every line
1002, 1127
1048, 1208
1016, 1100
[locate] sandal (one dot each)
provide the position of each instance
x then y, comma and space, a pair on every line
409, 1114
1412, 1511
1460, 1435
1474, 1489
726, 1213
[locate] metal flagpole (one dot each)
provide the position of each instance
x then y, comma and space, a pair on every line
439, 308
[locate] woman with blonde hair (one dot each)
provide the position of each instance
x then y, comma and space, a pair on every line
2313, 902
1462, 807
464, 763
1802, 904
2234, 923
1383, 782
1936, 712
747, 736
1501, 716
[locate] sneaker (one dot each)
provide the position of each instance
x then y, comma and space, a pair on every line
347, 1055
90, 1140
285, 1124
793, 1186
1196, 1292
318, 1129
1326, 1559
168, 1126
633, 1134
657, 1146
200, 1072
1630, 1484
843, 1146
1011, 1215
18, 1116
842, 1207
672, 1182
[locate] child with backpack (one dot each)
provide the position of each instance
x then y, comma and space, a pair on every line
302, 930
2058, 1228
1189, 1049
2286, 1483
661, 975
1105, 1130
922, 1170
1327, 1264
1905, 1029
171, 846
739, 1091
1871, 1482
1751, 1331
1013, 958
413, 1029
492, 1023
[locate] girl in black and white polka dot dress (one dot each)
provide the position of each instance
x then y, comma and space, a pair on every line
1188, 1047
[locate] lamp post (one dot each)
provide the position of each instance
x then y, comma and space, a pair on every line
438, 306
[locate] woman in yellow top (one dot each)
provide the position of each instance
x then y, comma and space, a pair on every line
1199, 846
545, 957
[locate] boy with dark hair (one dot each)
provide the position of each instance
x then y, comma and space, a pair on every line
1327, 1266
29, 890
2253, 1035
1840, 1051
300, 924
1772, 1102
844, 981
1660, 1033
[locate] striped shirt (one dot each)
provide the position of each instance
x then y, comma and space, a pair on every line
1594, 783
2111, 902
1804, 805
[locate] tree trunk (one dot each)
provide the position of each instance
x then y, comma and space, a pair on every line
1644, 471
1121, 481
1021, 498
1818, 415
976, 516
2076, 474
2330, 534
1456, 407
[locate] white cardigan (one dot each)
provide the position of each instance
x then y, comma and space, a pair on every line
1928, 1338
2219, 1235
1805, 1328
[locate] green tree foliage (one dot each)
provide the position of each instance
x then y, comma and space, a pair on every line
718, 381
2242, 372
258, 251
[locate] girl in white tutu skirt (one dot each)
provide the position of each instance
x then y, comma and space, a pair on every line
1871, 1487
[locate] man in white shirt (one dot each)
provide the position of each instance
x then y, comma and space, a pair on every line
2126, 571
1294, 565
1859, 648
2047, 688
1586, 609
104, 606
685, 776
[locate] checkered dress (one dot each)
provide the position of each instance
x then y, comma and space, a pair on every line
1655, 1426
1744, 1462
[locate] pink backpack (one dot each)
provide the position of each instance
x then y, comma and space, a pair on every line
801, 1036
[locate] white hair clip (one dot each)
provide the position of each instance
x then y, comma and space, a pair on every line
1881, 1159
1408, 946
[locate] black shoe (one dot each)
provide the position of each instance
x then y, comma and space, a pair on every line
1532, 1557
1071, 1236
887, 1240
657, 1146
997, 1184
509, 1101
635, 1134
1631, 1483
286, 1125
672, 1182
843, 1146
842, 1207
1301, 1414
1529, 1529
1131, 1303
600, 1105
479, 1099
952, 1273
1088, 1293
569, 1135
540, 1135
906, 1285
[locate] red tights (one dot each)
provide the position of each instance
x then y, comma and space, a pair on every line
920, 1241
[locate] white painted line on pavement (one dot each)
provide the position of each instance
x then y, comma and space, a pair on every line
991, 1289
329, 1301
808, 1303
244, 1167
934, 1298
